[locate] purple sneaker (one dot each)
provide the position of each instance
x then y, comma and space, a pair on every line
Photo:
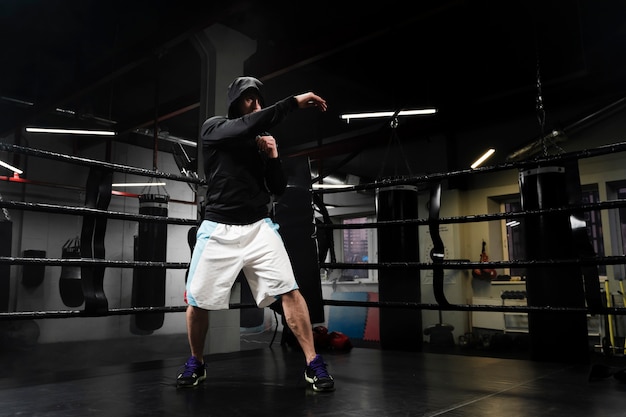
317, 375
191, 374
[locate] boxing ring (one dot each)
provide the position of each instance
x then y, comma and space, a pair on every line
95, 300
387, 381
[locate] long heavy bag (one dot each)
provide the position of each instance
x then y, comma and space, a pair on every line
70, 285
149, 283
295, 216
553, 336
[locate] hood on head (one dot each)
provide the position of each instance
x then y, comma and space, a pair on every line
237, 87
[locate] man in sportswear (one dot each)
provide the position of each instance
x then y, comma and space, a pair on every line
243, 172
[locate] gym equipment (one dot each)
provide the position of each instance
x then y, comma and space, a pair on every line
400, 329
549, 236
482, 273
437, 253
33, 274
441, 335
97, 196
293, 212
70, 285
150, 245
582, 244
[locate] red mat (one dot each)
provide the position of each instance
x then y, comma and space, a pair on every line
372, 322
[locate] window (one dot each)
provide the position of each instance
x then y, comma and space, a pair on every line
358, 246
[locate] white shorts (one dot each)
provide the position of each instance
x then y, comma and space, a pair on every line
223, 250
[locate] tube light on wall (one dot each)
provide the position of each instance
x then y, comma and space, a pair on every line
317, 186
11, 167
71, 131
138, 184
373, 115
483, 158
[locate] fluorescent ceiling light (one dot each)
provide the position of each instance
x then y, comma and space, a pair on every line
331, 181
372, 115
138, 184
165, 136
66, 111
483, 158
317, 186
18, 101
70, 131
11, 167
513, 223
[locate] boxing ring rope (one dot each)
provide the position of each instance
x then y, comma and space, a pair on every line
58, 209
87, 162
91, 213
434, 180
425, 179
28, 315
506, 166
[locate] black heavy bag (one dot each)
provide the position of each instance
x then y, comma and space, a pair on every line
400, 329
294, 214
33, 274
70, 285
553, 336
249, 318
150, 245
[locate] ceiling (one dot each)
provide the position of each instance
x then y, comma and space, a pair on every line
485, 65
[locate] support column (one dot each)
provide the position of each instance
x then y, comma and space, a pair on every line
222, 54
6, 239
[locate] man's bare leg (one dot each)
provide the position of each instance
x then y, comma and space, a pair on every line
197, 327
194, 370
297, 317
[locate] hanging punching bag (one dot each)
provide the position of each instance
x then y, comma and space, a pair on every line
70, 285
294, 213
33, 274
553, 336
400, 329
150, 245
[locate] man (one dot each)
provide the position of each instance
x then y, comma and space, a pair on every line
243, 171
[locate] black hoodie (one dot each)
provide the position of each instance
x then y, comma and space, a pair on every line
241, 179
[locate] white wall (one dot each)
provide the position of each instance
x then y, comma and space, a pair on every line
50, 231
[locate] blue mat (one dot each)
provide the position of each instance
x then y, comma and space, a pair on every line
348, 320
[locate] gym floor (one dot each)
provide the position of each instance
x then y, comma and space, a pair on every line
136, 377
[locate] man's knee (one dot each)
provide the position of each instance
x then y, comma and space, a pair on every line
292, 295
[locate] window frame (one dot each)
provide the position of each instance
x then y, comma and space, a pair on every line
371, 237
